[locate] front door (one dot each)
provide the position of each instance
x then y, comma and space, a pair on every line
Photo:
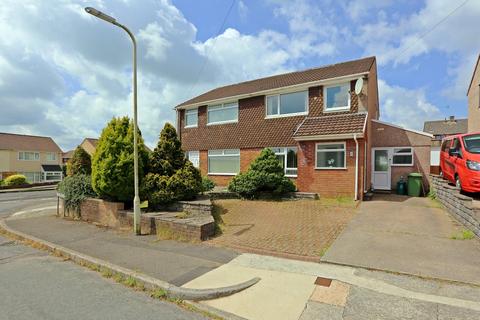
381, 171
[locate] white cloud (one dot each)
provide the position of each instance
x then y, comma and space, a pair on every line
406, 107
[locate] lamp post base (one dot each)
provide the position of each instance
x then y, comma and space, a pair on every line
136, 216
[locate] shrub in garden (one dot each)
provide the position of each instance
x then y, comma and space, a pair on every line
264, 175
15, 180
207, 184
81, 163
112, 163
171, 177
76, 188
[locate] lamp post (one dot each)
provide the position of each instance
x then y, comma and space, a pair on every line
136, 199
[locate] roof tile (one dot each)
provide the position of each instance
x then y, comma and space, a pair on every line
331, 125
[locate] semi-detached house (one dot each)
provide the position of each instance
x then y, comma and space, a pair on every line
317, 121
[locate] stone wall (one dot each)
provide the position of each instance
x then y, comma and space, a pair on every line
461, 207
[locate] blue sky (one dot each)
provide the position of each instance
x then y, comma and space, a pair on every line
65, 73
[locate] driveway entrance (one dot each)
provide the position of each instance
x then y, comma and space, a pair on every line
407, 235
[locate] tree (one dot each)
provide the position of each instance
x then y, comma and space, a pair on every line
171, 177
264, 175
80, 163
112, 163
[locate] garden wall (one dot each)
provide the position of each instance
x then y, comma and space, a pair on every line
461, 207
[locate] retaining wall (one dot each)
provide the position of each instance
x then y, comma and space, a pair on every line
461, 207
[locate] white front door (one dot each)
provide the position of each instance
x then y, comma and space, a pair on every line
381, 169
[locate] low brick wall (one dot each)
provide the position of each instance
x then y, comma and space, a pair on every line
198, 226
461, 207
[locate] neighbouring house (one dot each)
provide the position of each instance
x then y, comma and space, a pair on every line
318, 121
473, 95
66, 156
89, 145
440, 129
38, 158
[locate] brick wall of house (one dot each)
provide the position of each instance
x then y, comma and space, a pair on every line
474, 101
329, 182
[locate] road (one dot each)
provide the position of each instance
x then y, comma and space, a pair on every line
35, 285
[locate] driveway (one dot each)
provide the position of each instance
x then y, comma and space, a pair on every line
407, 235
300, 229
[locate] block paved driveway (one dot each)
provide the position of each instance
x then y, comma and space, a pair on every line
300, 229
407, 235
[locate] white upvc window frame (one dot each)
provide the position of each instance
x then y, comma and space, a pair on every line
36, 156
52, 159
285, 154
280, 115
193, 111
222, 155
337, 109
188, 155
411, 153
330, 150
222, 106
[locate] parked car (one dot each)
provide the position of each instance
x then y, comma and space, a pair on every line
460, 161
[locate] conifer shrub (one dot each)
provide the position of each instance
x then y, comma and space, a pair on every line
80, 163
265, 175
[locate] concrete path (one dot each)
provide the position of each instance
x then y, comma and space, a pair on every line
170, 261
407, 235
35, 285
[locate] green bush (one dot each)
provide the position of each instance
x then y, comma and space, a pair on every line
15, 180
171, 177
207, 184
112, 163
264, 175
76, 188
81, 163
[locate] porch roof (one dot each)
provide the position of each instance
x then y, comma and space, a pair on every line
51, 168
334, 125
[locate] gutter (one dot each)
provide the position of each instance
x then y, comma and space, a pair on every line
329, 137
356, 166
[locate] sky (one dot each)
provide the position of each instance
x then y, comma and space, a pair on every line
65, 73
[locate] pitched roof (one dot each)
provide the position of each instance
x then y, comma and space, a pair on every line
93, 141
12, 141
473, 74
68, 154
51, 168
284, 80
447, 126
331, 125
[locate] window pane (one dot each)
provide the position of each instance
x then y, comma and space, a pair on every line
281, 159
291, 172
272, 105
191, 117
194, 157
223, 164
231, 151
402, 150
331, 159
338, 96
293, 102
291, 158
220, 114
406, 159
381, 160
215, 152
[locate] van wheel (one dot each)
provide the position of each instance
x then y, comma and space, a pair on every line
458, 184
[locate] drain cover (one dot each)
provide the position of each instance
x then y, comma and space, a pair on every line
325, 282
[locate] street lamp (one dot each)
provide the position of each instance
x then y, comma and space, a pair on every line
136, 199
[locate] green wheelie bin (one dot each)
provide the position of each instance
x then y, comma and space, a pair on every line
415, 184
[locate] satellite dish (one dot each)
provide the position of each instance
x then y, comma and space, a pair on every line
358, 86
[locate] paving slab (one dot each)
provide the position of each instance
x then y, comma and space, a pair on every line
170, 261
407, 235
321, 311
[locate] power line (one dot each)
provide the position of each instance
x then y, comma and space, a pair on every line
213, 45
431, 29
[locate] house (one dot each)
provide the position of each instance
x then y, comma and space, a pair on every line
319, 122
89, 145
473, 94
66, 156
440, 129
38, 158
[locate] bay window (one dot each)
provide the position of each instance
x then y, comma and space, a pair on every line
294, 103
191, 118
337, 97
288, 159
402, 156
330, 156
224, 162
222, 113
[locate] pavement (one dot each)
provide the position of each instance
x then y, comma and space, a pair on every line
407, 235
35, 285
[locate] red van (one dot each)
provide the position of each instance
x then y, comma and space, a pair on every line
460, 161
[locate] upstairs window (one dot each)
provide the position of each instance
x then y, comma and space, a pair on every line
402, 157
223, 113
287, 104
337, 97
191, 118
28, 156
51, 156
